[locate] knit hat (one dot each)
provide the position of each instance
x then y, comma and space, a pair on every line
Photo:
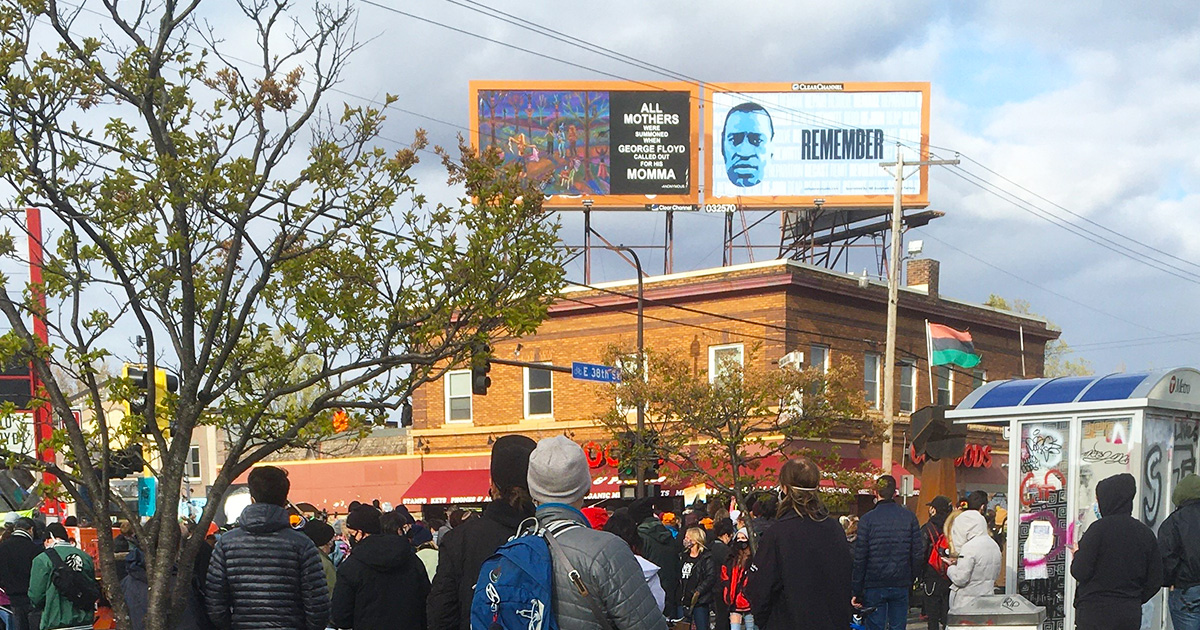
558, 471
319, 531
420, 535
1188, 489
510, 461
364, 518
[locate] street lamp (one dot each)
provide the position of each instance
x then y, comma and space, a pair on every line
640, 490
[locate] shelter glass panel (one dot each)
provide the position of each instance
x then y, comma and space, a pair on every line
1042, 529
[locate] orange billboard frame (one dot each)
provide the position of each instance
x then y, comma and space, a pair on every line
532, 147
919, 199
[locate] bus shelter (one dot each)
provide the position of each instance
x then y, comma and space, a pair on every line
1067, 434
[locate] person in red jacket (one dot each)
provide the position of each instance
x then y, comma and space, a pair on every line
734, 574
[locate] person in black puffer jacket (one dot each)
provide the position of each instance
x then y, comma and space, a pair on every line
264, 574
887, 555
382, 583
1117, 564
464, 548
1179, 542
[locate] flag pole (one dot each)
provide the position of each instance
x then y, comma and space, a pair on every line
1022, 331
929, 362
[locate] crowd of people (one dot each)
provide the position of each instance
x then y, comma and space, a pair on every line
786, 563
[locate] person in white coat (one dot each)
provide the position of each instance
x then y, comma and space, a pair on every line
974, 571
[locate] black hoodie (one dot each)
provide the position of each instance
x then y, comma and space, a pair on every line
382, 584
1117, 565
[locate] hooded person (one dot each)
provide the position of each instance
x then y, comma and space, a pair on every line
381, 582
1179, 546
611, 578
1117, 565
463, 549
661, 547
973, 573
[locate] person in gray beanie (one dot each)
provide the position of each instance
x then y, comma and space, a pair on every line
559, 480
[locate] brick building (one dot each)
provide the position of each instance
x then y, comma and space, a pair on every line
757, 311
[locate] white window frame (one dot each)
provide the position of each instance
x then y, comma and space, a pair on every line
876, 403
194, 465
981, 376
712, 358
912, 386
812, 352
469, 396
937, 384
527, 392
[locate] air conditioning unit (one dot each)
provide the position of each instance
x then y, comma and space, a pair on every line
793, 359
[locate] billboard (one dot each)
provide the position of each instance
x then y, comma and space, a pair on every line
618, 144
788, 144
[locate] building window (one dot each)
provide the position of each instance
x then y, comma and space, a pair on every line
193, 463
458, 396
978, 379
945, 385
539, 393
871, 364
722, 358
908, 387
818, 357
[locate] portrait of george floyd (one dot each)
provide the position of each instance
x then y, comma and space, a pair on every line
746, 141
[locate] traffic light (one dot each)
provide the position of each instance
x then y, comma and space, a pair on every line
125, 462
627, 456
165, 384
480, 366
652, 460
341, 421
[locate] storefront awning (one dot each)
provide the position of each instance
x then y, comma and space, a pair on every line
449, 487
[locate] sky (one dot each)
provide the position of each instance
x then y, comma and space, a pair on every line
1079, 188
1075, 122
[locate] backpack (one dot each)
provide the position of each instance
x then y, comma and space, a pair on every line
71, 583
515, 589
938, 544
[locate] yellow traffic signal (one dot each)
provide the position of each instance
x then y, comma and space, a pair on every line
165, 384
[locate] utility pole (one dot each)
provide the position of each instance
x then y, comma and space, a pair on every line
640, 489
889, 356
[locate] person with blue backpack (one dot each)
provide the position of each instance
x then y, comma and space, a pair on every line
559, 573
465, 548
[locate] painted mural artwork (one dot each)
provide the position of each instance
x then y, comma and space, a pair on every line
559, 137
1042, 535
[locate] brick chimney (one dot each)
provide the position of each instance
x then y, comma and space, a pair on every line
923, 275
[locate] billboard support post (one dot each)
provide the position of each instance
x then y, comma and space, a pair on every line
889, 356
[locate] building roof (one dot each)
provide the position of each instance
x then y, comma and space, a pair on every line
877, 288
1177, 388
